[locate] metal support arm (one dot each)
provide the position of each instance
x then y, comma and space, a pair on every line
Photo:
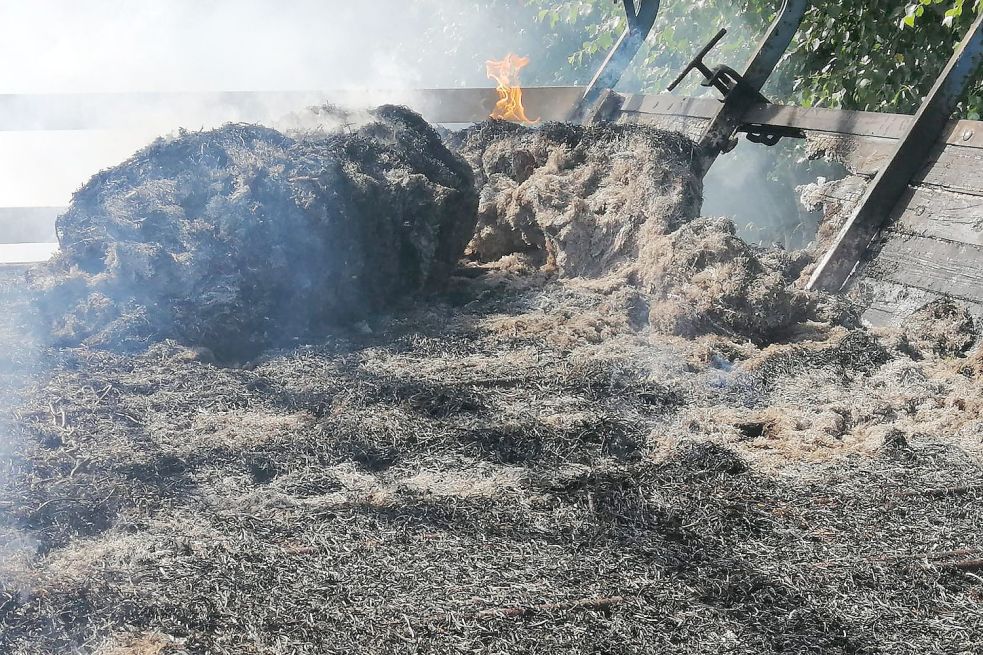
892, 180
698, 64
640, 24
725, 124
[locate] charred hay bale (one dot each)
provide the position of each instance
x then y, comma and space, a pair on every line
242, 237
943, 328
580, 198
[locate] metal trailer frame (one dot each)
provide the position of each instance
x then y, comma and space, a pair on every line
640, 23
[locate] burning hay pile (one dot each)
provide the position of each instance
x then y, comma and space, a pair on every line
241, 238
244, 238
520, 464
622, 203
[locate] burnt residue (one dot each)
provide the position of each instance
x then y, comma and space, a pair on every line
241, 238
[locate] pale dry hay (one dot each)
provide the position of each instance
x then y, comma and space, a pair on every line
359, 488
972, 366
580, 198
703, 278
941, 328
240, 428
17, 549
77, 563
817, 417
620, 204
712, 349
565, 329
482, 481
152, 643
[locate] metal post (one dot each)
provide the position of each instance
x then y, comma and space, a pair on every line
724, 125
892, 180
609, 74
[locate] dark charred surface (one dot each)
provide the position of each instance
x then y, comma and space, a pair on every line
524, 464
450, 484
240, 238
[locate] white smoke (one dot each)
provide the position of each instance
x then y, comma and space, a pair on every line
194, 47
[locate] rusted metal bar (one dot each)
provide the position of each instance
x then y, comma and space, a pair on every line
882, 195
747, 93
639, 26
810, 120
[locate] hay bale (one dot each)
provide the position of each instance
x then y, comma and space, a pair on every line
581, 198
242, 237
621, 202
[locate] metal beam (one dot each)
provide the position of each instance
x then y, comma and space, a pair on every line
639, 26
810, 120
775, 42
883, 193
770, 50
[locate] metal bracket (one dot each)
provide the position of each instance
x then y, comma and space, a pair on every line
719, 78
743, 91
640, 24
733, 88
887, 187
769, 135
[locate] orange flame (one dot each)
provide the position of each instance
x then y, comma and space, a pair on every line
506, 74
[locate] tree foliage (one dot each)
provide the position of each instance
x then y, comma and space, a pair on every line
878, 55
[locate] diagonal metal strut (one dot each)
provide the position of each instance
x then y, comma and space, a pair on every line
716, 139
883, 193
640, 22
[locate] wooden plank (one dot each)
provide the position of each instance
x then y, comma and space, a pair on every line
691, 127
20, 112
668, 104
44, 168
943, 267
965, 133
941, 214
474, 105
959, 163
888, 304
862, 156
838, 121
26, 253
956, 168
812, 119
